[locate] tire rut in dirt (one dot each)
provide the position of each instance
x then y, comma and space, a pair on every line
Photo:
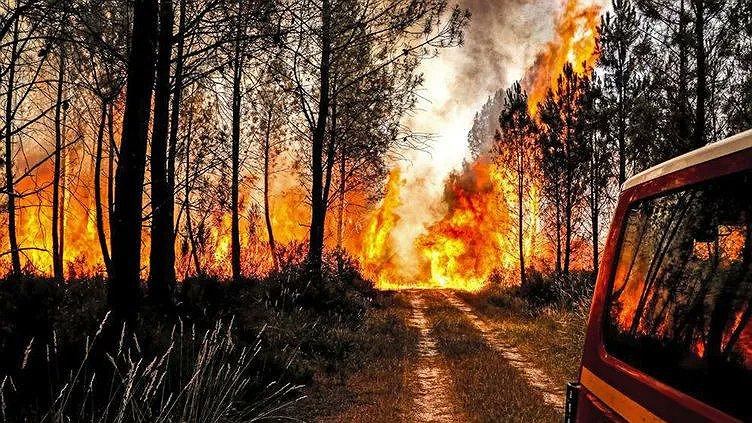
552, 395
432, 383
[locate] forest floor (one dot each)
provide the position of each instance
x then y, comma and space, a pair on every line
455, 357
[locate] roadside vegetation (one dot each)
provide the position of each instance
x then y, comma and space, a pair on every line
229, 351
545, 319
486, 386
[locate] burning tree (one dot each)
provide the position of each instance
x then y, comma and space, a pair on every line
517, 153
324, 37
563, 142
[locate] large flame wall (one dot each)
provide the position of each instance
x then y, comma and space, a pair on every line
471, 234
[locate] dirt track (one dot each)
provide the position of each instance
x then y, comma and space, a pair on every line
467, 371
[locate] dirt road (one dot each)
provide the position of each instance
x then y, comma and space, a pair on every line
459, 367
467, 371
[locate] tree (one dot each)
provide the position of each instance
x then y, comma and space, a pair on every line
162, 253
599, 152
619, 46
23, 58
516, 154
563, 143
100, 62
324, 32
125, 283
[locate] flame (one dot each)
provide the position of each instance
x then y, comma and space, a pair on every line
471, 235
575, 42
474, 236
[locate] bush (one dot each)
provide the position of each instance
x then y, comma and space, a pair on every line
546, 290
58, 360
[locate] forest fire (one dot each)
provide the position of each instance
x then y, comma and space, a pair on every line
575, 42
469, 239
474, 237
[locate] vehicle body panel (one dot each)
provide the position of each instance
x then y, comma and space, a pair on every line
612, 390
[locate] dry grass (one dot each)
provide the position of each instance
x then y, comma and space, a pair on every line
198, 377
372, 384
487, 387
551, 338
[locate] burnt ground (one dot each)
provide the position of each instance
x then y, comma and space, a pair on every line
453, 357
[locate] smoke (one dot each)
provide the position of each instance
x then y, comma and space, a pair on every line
503, 39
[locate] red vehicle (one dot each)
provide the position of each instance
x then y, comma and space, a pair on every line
669, 336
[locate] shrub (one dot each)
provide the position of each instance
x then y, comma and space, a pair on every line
573, 291
195, 378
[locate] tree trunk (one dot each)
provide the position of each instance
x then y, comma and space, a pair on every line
520, 213
186, 200
57, 248
15, 257
622, 121
110, 168
557, 201
267, 212
236, 100
162, 254
341, 208
682, 122
594, 207
125, 291
175, 114
98, 189
318, 202
702, 89
568, 208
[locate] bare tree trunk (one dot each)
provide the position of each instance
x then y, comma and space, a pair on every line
594, 206
98, 189
683, 130
162, 255
341, 208
125, 291
621, 120
568, 209
9, 188
186, 200
557, 205
702, 89
175, 114
235, 184
318, 202
110, 167
57, 253
267, 169
520, 212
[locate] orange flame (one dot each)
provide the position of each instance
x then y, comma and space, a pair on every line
575, 42
475, 235
472, 237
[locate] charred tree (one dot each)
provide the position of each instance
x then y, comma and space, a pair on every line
237, 65
125, 292
58, 221
9, 182
267, 147
318, 141
162, 254
98, 208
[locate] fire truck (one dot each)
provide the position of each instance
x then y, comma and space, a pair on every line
669, 336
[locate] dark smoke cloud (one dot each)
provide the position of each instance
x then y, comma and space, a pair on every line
502, 40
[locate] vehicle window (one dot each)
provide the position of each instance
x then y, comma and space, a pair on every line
679, 305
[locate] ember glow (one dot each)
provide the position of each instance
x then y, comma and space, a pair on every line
451, 233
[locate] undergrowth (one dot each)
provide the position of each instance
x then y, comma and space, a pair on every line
228, 352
